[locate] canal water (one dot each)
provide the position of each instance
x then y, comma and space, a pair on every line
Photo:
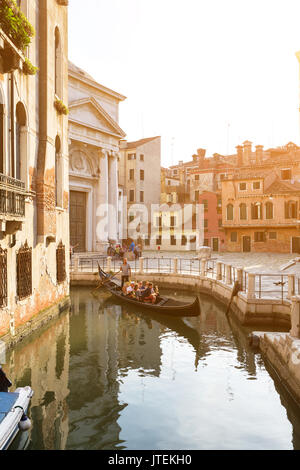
107, 376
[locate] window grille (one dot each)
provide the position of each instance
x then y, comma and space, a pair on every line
3, 277
24, 272
61, 263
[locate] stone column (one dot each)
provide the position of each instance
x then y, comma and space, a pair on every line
102, 204
295, 317
251, 286
113, 196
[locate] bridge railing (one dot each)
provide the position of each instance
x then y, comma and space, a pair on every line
274, 286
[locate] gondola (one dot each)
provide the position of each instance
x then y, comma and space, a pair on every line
165, 305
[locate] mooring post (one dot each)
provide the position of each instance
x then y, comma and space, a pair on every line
291, 285
175, 266
251, 286
141, 265
108, 264
295, 317
76, 264
203, 267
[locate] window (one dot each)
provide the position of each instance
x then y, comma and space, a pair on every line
206, 242
183, 240
131, 175
286, 174
131, 156
219, 202
243, 212
220, 223
1, 136
141, 196
259, 236
230, 212
173, 240
269, 210
61, 274
169, 183
131, 195
205, 223
197, 178
243, 186
256, 212
291, 209
131, 218
273, 235
141, 158
3, 277
159, 221
173, 221
24, 272
158, 240
142, 175
205, 203
256, 185
175, 172
21, 141
58, 174
233, 237
196, 196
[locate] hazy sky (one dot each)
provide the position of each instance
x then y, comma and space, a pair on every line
200, 73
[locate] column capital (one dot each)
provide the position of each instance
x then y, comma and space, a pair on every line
103, 153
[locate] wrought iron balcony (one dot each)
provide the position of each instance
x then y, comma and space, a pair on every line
12, 196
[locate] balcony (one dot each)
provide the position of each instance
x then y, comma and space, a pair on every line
12, 204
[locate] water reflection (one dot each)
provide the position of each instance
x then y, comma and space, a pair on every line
108, 377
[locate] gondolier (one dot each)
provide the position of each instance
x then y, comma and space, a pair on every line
126, 271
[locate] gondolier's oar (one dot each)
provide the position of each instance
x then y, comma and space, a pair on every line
107, 280
236, 289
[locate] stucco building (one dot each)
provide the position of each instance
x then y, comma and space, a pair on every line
139, 175
34, 191
94, 136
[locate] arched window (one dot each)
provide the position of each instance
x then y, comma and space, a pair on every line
256, 211
243, 211
291, 209
21, 142
269, 210
58, 62
2, 133
58, 173
229, 212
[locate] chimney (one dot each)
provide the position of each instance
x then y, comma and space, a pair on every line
201, 153
240, 154
259, 154
247, 152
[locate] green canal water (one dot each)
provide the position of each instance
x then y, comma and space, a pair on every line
106, 376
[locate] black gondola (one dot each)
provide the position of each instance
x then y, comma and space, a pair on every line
165, 305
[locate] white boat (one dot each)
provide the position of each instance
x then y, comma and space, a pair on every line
13, 409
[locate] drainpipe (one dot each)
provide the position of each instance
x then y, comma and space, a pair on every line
12, 125
43, 113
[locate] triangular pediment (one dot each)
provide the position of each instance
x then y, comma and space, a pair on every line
88, 112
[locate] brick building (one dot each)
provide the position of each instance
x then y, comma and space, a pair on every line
260, 200
34, 193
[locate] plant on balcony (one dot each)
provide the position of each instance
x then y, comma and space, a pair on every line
61, 108
15, 24
28, 68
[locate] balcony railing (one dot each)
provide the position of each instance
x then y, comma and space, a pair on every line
12, 196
